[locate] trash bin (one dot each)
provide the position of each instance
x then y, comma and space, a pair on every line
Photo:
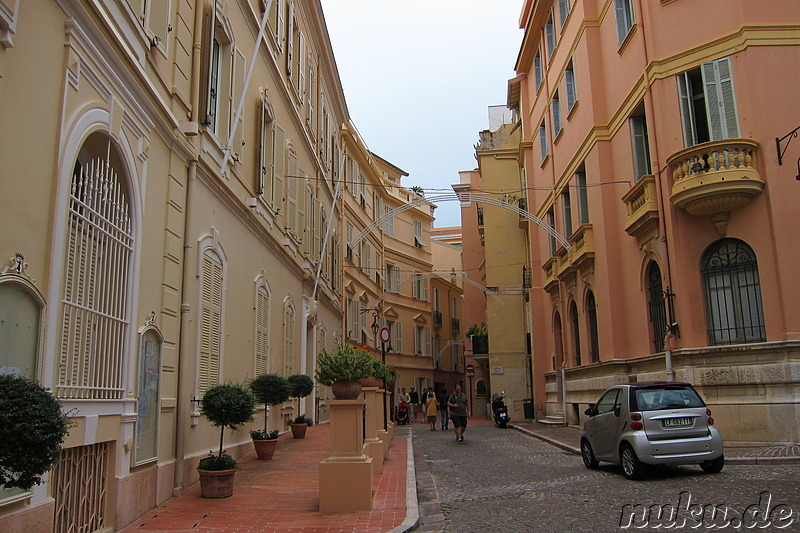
527, 408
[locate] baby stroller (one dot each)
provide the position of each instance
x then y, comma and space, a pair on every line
402, 413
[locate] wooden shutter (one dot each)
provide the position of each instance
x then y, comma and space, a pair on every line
426, 331
318, 234
641, 155
720, 102
301, 71
210, 323
207, 51
281, 27
290, 40
266, 156
158, 20
279, 163
687, 111
237, 138
288, 343
291, 194
262, 331
398, 336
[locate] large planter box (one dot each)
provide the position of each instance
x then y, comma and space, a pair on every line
480, 344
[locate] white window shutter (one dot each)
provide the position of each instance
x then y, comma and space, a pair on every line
290, 40
279, 31
279, 154
158, 20
210, 323
238, 82
720, 103
292, 215
398, 346
687, 111
301, 71
427, 333
262, 332
263, 125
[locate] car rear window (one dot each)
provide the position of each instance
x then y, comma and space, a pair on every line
669, 397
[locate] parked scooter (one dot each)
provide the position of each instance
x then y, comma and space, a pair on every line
500, 411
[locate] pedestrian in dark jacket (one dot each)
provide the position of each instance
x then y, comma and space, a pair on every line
444, 410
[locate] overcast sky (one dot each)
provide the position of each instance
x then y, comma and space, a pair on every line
419, 77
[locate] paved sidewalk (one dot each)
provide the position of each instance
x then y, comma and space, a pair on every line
282, 495
568, 438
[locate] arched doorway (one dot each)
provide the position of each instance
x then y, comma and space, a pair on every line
481, 393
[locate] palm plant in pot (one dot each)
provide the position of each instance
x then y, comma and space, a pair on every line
227, 405
343, 369
300, 387
269, 389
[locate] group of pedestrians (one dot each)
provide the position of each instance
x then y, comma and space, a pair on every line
452, 407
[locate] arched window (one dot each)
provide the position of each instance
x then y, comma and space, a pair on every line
576, 334
21, 308
594, 342
99, 245
658, 312
733, 293
148, 407
211, 309
288, 338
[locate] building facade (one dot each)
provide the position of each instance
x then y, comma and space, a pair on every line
177, 188
654, 158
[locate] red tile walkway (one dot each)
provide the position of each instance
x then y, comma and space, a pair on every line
282, 495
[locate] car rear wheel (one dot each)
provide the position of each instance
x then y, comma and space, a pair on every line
588, 455
713, 467
632, 467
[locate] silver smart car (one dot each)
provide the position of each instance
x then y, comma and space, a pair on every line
641, 424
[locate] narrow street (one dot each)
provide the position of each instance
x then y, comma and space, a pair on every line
503, 480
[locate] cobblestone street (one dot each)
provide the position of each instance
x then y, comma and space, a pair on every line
503, 480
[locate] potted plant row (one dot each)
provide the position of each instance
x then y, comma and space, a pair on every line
227, 405
269, 389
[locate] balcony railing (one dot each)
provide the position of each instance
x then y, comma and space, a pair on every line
526, 278
437, 319
715, 178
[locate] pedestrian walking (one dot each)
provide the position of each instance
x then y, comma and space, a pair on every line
459, 410
403, 396
431, 406
444, 410
414, 402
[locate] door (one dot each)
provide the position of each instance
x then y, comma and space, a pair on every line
603, 426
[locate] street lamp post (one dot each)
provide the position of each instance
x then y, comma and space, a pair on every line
375, 327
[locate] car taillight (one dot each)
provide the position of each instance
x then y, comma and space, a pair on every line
710, 419
636, 417
636, 425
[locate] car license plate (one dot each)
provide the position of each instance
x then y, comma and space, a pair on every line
676, 422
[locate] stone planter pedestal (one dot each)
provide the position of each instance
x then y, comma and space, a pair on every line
373, 445
345, 478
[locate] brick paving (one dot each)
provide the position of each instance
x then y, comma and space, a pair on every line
282, 495
505, 480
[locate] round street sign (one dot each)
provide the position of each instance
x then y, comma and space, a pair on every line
385, 335
470, 369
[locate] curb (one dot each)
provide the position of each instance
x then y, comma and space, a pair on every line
412, 507
548, 440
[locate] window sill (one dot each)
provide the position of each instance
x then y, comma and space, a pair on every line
559, 135
627, 40
544, 161
572, 109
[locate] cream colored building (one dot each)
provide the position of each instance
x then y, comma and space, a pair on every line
447, 304
169, 212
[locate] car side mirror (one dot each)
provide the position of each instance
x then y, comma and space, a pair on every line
590, 411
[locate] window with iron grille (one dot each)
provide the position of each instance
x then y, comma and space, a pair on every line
94, 319
733, 293
657, 308
576, 333
591, 310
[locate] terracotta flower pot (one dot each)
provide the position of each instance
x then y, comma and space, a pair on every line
216, 483
299, 430
346, 389
265, 449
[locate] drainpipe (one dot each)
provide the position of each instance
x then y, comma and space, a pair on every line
183, 407
649, 110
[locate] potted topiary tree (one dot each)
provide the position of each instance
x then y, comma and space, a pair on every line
226, 405
269, 389
32, 429
343, 369
301, 386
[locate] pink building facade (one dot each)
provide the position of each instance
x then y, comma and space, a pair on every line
649, 144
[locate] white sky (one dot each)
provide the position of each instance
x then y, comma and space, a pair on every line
419, 76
